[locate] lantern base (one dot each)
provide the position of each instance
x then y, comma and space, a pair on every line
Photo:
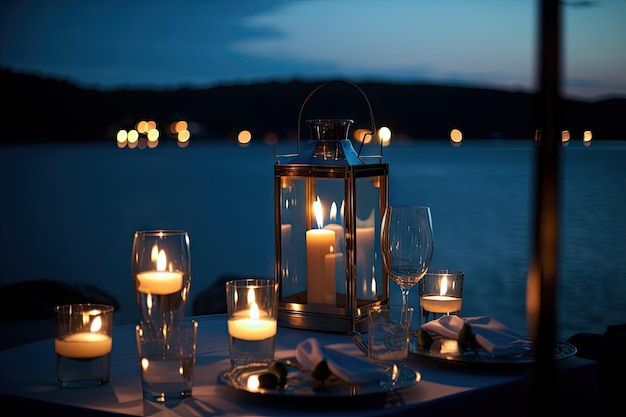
293, 312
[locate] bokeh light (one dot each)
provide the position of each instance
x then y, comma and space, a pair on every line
362, 135
384, 135
456, 137
244, 137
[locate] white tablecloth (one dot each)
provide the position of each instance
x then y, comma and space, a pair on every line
28, 379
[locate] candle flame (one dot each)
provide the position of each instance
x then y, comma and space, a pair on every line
251, 296
443, 285
341, 210
317, 210
96, 324
333, 212
161, 261
254, 311
154, 254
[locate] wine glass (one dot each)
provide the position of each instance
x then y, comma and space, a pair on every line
161, 270
406, 238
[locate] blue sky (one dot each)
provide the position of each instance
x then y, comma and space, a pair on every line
196, 43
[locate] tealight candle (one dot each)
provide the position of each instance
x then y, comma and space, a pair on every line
252, 306
337, 228
83, 342
161, 281
252, 329
440, 294
252, 324
441, 303
83, 345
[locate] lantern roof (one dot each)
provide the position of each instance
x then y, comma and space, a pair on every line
329, 144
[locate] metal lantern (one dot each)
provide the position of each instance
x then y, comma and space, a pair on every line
328, 207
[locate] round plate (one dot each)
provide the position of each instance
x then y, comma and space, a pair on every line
302, 384
447, 350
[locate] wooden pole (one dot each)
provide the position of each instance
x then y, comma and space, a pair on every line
542, 273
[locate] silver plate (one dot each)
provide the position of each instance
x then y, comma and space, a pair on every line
302, 384
447, 350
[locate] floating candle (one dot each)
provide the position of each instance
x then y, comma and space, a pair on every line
83, 345
161, 281
441, 303
252, 325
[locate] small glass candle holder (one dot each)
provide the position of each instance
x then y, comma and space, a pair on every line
252, 306
83, 344
161, 270
441, 294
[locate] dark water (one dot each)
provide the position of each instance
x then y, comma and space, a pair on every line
69, 213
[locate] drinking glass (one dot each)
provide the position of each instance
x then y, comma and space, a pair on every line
389, 333
161, 270
406, 238
167, 359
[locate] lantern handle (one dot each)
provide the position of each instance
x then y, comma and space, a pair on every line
371, 113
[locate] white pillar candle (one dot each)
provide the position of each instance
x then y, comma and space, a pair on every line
340, 274
330, 265
83, 345
337, 228
318, 244
365, 258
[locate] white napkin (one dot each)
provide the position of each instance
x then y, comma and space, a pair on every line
491, 335
347, 367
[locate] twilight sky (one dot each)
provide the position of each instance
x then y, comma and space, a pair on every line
200, 43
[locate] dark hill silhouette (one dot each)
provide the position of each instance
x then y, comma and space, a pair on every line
39, 109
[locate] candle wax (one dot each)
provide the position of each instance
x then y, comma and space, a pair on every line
365, 259
319, 284
338, 229
251, 329
440, 303
159, 282
83, 345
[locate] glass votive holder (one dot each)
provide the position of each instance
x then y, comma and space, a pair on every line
83, 342
161, 271
440, 294
252, 306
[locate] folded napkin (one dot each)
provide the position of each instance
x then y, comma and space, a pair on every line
350, 368
490, 334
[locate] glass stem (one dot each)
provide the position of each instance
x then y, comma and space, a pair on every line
405, 298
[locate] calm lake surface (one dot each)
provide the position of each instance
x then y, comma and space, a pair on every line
70, 211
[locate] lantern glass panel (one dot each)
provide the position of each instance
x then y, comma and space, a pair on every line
339, 275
